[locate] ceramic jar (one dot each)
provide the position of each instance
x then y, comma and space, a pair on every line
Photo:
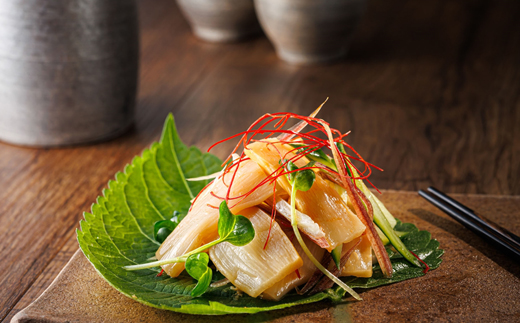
221, 20
69, 70
309, 31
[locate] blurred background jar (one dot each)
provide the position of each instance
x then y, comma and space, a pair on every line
310, 31
221, 20
68, 70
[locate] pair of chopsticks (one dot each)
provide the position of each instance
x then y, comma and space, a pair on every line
473, 221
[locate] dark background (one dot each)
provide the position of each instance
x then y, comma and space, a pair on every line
430, 90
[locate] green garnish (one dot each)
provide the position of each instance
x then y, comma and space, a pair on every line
302, 181
163, 228
336, 255
197, 267
383, 223
315, 154
382, 217
235, 229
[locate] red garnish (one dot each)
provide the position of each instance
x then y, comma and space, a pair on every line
427, 268
216, 196
348, 185
160, 274
273, 216
312, 142
307, 137
298, 273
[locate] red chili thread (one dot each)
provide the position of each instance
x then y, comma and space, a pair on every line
160, 274
233, 177
215, 196
312, 142
196, 197
284, 224
271, 178
273, 216
425, 264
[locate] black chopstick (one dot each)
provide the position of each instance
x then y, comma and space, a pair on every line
469, 219
475, 216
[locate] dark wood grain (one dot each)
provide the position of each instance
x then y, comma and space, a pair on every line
431, 92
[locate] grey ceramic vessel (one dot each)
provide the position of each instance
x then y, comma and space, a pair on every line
221, 20
69, 70
310, 31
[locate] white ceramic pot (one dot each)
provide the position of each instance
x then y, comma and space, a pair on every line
69, 70
221, 20
309, 31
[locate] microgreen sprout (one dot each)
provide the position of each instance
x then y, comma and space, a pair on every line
197, 267
235, 229
163, 228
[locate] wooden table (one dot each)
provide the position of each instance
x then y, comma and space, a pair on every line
430, 90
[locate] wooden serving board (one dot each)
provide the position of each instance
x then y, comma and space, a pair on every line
475, 282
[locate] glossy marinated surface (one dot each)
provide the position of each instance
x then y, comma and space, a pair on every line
289, 282
359, 263
326, 207
322, 203
200, 224
255, 267
307, 225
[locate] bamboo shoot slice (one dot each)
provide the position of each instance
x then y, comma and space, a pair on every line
289, 282
321, 203
324, 205
359, 263
251, 268
200, 224
268, 153
305, 223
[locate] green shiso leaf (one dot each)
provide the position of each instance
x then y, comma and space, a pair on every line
119, 232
